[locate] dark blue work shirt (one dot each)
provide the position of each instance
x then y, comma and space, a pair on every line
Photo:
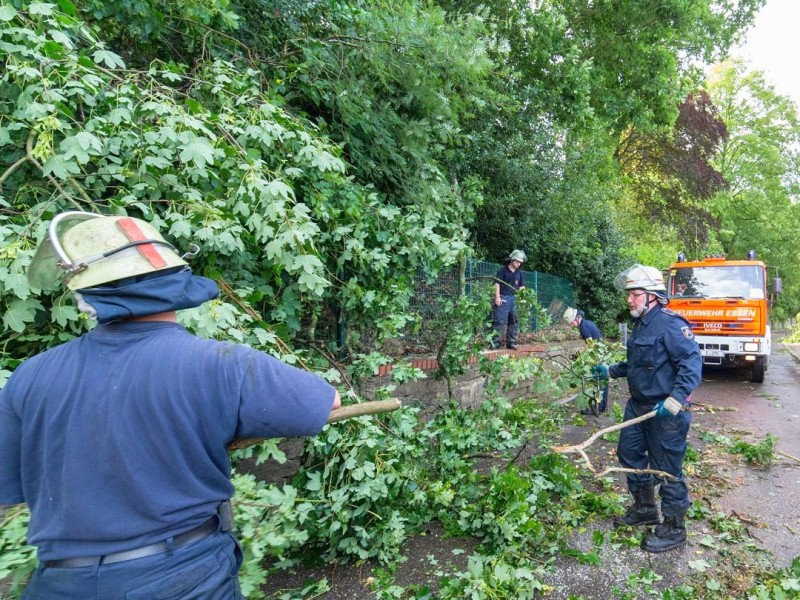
118, 439
663, 357
513, 281
588, 330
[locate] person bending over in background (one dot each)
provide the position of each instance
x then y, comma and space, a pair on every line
588, 331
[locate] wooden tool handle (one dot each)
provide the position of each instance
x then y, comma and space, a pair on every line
338, 414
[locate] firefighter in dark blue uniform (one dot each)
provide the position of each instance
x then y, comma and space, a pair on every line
508, 282
663, 360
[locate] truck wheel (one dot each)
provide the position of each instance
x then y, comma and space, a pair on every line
759, 367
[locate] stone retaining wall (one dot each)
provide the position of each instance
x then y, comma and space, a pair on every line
427, 394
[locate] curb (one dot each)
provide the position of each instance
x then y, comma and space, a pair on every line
793, 349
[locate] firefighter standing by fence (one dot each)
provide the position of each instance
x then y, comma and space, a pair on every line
508, 282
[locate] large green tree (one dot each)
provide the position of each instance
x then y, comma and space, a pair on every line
580, 75
669, 176
761, 161
208, 154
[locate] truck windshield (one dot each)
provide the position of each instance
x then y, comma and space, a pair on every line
745, 282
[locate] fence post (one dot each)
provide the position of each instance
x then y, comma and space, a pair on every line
462, 275
536, 291
341, 326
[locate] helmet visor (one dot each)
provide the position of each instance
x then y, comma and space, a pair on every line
621, 280
44, 271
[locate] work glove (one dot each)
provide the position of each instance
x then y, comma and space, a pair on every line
662, 408
600, 372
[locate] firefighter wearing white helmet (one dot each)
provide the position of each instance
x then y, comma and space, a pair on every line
648, 279
141, 413
508, 282
118, 267
663, 361
588, 330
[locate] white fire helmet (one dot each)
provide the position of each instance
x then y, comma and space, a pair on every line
518, 255
85, 249
570, 314
640, 277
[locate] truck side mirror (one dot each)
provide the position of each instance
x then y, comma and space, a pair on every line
777, 285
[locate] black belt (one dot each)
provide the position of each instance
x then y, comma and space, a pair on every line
193, 535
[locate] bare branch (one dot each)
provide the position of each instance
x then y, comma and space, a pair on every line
579, 448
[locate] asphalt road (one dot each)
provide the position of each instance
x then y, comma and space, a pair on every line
767, 500
771, 497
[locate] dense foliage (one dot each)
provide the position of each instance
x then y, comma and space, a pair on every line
761, 161
324, 153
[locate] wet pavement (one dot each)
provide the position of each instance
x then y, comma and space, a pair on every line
772, 496
767, 500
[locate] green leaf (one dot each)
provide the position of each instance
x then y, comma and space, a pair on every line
791, 584
308, 263
7, 12
41, 8
81, 146
708, 541
699, 565
20, 312
279, 189
60, 167
16, 283
64, 314
109, 59
198, 150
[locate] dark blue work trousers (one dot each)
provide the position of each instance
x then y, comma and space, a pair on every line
505, 315
203, 570
658, 443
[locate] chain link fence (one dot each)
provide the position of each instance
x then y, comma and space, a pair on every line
553, 294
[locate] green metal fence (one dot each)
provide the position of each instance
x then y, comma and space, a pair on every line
553, 293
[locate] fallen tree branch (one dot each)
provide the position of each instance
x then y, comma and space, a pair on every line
672, 405
567, 399
657, 473
338, 414
365, 408
787, 455
747, 520
579, 448
699, 407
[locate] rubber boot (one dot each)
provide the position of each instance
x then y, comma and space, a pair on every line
643, 511
668, 535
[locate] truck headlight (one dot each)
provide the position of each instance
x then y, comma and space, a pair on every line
751, 346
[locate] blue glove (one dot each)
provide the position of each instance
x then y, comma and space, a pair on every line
663, 411
600, 372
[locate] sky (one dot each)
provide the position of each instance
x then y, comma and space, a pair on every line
773, 46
